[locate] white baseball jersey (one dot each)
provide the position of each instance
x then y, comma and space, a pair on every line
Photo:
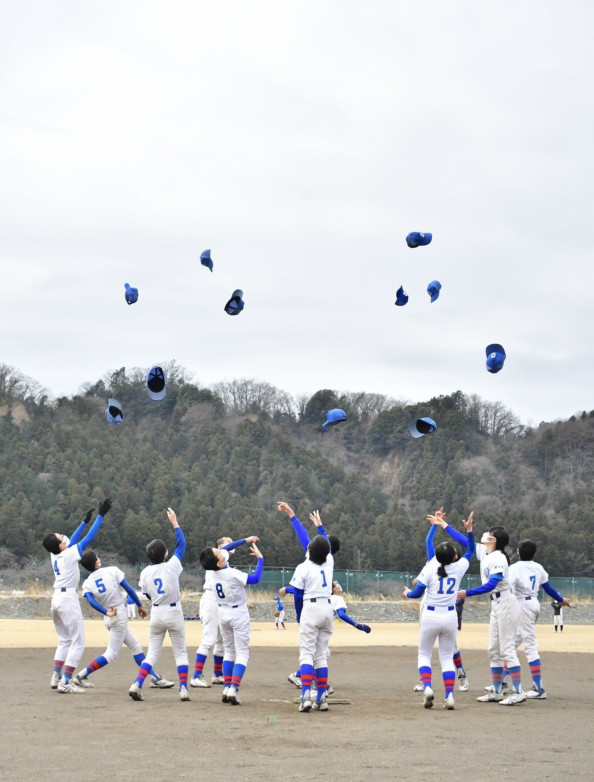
337, 602
442, 592
65, 567
493, 564
526, 577
314, 580
208, 590
104, 585
229, 586
161, 582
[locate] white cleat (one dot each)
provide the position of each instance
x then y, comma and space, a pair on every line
69, 687
184, 695
294, 679
161, 683
463, 684
135, 692
321, 705
513, 699
429, 698
55, 680
449, 702
536, 694
218, 679
82, 682
490, 697
199, 681
225, 698
418, 687
306, 703
233, 696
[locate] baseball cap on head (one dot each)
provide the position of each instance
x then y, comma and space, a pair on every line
114, 412
433, 290
401, 297
418, 239
156, 384
205, 259
334, 417
495, 357
235, 304
131, 293
421, 427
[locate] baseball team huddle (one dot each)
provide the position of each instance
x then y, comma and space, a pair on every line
225, 617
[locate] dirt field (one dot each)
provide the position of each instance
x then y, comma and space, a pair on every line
384, 733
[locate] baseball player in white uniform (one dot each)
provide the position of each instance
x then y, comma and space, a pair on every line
103, 591
234, 617
160, 583
526, 577
505, 615
65, 607
209, 616
312, 581
439, 581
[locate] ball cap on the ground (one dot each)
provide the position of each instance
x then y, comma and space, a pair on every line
156, 384
418, 239
334, 417
495, 357
235, 303
401, 297
205, 259
131, 294
422, 426
433, 289
114, 412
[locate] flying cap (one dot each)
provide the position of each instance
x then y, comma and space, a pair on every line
235, 303
205, 259
495, 357
418, 239
421, 427
156, 384
131, 294
433, 290
401, 297
114, 412
334, 417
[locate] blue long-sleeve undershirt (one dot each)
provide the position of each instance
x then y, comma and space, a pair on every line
457, 536
552, 592
342, 614
298, 596
77, 533
290, 590
417, 591
429, 544
180, 543
470, 547
95, 604
131, 591
254, 578
303, 534
89, 536
233, 545
489, 586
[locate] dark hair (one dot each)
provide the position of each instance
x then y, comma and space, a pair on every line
156, 551
318, 548
334, 544
208, 559
445, 554
501, 536
51, 543
89, 560
527, 549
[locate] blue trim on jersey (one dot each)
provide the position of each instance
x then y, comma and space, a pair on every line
552, 592
95, 604
429, 545
342, 614
90, 534
301, 532
254, 578
132, 596
180, 541
417, 591
470, 547
298, 602
489, 586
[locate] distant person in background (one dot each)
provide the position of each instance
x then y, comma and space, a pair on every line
557, 615
279, 614
131, 606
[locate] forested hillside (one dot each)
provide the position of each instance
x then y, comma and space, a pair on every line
223, 457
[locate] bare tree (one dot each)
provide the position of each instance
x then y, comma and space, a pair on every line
254, 396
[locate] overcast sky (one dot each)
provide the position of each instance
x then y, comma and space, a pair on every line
301, 142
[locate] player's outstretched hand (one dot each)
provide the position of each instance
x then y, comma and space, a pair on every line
88, 515
172, 517
252, 539
565, 602
461, 595
468, 522
363, 628
105, 506
315, 517
142, 612
438, 518
255, 551
284, 508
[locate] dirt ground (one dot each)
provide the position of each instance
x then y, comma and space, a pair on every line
383, 733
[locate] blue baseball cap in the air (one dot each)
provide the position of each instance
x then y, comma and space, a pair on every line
334, 417
418, 239
422, 426
205, 259
235, 304
156, 384
401, 297
495, 357
433, 290
114, 412
131, 294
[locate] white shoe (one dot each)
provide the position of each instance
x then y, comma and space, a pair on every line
218, 679
55, 680
536, 694
161, 683
329, 689
135, 692
320, 705
184, 695
199, 681
418, 687
69, 687
233, 696
82, 682
429, 698
491, 697
505, 690
306, 703
225, 698
449, 702
515, 697
294, 679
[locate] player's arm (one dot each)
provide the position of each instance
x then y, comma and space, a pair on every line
429, 544
254, 578
316, 519
180, 541
131, 592
288, 590
92, 602
235, 543
103, 510
470, 547
412, 594
489, 586
342, 614
552, 592
298, 596
81, 528
300, 530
